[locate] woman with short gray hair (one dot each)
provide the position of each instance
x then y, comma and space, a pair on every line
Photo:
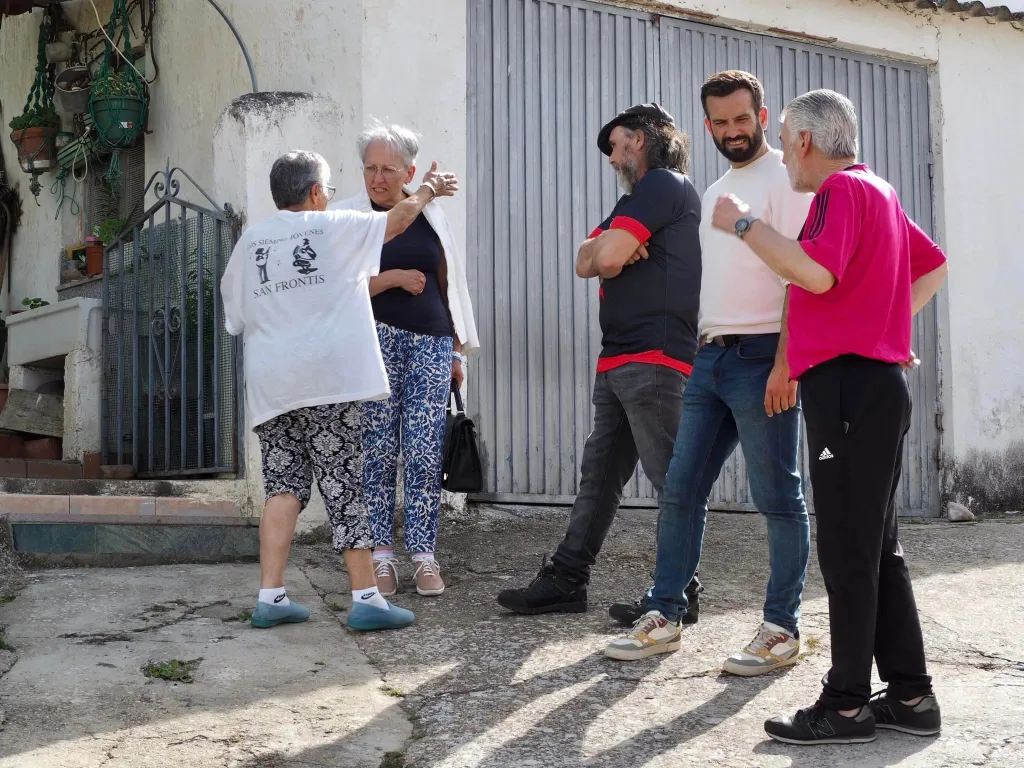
295, 287
425, 325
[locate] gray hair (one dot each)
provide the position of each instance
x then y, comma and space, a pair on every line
829, 117
293, 174
397, 138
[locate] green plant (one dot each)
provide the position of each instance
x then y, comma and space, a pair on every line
175, 671
36, 117
34, 303
109, 230
117, 85
242, 617
4, 645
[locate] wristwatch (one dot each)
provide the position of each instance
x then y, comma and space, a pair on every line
459, 356
743, 226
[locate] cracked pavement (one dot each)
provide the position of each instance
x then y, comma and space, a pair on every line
470, 685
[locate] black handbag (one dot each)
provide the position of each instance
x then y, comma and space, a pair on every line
463, 472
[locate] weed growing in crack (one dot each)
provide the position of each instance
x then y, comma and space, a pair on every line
4, 645
175, 671
393, 760
398, 693
5, 599
159, 608
811, 645
337, 607
242, 617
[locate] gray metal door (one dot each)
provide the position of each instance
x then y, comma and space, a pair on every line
543, 76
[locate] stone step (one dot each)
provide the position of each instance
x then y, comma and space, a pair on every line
206, 490
176, 527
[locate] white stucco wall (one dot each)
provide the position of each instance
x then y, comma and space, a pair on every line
404, 61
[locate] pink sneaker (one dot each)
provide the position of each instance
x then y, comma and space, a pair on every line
386, 571
428, 577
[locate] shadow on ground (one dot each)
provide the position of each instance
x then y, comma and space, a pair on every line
481, 687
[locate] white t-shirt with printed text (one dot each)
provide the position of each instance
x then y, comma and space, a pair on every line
296, 287
739, 293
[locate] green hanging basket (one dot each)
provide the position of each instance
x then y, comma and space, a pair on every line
118, 109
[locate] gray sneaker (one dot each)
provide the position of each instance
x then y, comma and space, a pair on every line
772, 648
651, 634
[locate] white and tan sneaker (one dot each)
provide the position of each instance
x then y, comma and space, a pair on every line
772, 648
651, 634
428, 577
386, 572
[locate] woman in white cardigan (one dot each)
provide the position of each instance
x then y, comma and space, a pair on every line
425, 325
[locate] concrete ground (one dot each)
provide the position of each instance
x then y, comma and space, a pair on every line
469, 685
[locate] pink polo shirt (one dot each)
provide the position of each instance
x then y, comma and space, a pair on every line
858, 231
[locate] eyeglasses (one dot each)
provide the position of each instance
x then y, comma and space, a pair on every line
328, 190
387, 171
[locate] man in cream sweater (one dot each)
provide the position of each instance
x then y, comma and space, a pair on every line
739, 393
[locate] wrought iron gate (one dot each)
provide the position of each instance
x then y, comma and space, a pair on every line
171, 373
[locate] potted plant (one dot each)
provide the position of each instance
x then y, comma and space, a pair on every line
34, 133
118, 106
34, 303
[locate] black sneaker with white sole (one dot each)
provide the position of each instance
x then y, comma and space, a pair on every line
921, 719
818, 725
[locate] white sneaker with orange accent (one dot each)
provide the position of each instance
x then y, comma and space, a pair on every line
772, 648
651, 634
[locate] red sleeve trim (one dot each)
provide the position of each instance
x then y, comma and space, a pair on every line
634, 227
597, 231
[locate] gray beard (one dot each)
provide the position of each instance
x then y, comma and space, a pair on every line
627, 179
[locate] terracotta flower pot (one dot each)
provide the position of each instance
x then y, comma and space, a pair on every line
36, 148
94, 260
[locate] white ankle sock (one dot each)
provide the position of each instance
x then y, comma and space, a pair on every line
277, 596
383, 554
369, 596
422, 556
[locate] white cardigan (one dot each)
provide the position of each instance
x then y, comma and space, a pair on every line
459, 303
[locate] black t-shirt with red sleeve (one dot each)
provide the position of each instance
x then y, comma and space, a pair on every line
649, 310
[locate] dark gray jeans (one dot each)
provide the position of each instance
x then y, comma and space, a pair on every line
636, 416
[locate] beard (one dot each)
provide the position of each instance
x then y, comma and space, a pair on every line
627, 174
745, 153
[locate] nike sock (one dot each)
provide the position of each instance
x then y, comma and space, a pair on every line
371, 596
277, 596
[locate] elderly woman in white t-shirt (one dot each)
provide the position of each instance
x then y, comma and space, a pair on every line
425, 325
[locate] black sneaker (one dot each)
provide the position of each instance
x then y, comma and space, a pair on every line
627, 614
817, 725
921, 719
547, 593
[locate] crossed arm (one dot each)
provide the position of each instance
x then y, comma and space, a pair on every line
607, 253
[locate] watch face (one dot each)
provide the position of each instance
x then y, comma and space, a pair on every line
742, 226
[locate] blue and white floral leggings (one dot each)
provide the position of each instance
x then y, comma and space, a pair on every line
412, 421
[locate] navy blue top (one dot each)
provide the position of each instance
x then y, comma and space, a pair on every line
652, 305
427, 313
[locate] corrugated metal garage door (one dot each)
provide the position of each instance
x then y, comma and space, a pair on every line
544, 75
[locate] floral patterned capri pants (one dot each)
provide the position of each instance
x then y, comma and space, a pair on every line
322, 442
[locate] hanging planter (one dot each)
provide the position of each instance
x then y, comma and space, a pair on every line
118, 108
74, 89
34, 133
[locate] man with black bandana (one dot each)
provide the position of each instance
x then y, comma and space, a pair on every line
647, 256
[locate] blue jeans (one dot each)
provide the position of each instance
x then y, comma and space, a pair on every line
723, 404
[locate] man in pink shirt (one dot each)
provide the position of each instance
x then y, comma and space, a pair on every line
859, 271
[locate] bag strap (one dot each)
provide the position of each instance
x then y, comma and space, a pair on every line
459, 408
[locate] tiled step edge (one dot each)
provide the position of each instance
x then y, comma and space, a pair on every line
147, 510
